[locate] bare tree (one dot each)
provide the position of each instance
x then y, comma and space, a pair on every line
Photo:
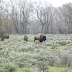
25, 9
66, 17
42, 15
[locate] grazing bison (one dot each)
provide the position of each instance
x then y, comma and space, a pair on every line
6, 35
42, 38
37, 37
3, 35
25, 37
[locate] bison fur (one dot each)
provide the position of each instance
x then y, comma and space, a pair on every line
25, 37
42, 38
37, 37
6, 35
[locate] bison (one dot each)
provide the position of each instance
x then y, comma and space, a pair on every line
6, 35
25, 37
37, 37
42, 38
3, 35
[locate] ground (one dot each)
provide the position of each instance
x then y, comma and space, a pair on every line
53, 55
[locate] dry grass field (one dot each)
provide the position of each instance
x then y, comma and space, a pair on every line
53, 55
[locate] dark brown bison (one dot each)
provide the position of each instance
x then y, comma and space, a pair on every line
37, 37
42, 38
6, 35
25, 37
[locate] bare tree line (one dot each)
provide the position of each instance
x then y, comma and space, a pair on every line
24, 17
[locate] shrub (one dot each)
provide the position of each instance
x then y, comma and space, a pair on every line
42, 63
54, 47
64, 70
10, 68
63, 43
21, 65
66, 60
23, 60
1, 48
43, 66
1, 71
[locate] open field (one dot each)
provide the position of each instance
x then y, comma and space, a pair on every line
53, 55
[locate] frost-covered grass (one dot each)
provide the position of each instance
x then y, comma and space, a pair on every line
55, 53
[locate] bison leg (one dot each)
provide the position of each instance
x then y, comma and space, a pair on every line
34, 40
27, 40
2, 38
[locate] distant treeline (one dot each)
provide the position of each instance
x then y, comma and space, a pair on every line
25, 17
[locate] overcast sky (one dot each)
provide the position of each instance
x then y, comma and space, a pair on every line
55, 3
